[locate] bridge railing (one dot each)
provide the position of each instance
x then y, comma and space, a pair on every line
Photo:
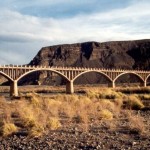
70, 68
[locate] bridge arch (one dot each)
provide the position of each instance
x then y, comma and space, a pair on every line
147, 78
6, 76
100, 72
31, 71
133, 73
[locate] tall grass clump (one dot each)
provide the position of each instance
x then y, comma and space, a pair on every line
134, 102
7, 128
136, 123
105, 114
53, 123
36, 131
103, 94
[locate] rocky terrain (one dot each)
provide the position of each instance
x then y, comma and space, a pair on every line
73, 138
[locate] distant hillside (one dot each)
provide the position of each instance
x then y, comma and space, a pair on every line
116, 54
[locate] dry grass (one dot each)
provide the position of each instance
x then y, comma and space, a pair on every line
7, 128
105, 93
36, 131
38, 114
136, 123
53, 123
134, 102
135, 90
144, 97
105, 114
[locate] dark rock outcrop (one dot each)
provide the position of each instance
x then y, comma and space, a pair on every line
115, 54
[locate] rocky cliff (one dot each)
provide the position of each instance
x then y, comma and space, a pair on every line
116, 54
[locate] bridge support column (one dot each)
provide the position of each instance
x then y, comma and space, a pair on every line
69, 87
14, 89
143, 84
112, 84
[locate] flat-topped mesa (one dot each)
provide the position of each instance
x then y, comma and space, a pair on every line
131, 55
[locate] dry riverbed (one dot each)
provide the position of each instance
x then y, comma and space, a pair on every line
99, 119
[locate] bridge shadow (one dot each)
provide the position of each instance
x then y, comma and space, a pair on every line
93, 79
148, 81
128, 80
4, 81
42, 82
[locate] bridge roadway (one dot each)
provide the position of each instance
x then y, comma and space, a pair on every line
16, 72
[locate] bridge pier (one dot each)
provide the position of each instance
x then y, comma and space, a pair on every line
14, 88
143, 84
69, 87
112, 84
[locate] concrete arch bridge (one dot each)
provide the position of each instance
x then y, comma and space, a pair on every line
16, 72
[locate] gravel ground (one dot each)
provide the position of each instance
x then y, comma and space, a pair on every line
72, 137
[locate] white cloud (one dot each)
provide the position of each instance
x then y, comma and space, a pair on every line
23, 35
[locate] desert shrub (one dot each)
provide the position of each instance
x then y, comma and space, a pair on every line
28, 121
5, 111
92, 94
26, 114
53, 123
34, 100
67, 110
105, 114
83, 103
7, 128
66, 98
119, 102
76, 107
108, 94
107, 104
52, 107
134, 102
136, 123
144, 97
68, 104
36, 131
81, 116
103, 94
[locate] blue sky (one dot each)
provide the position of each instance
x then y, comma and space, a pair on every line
28, 25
